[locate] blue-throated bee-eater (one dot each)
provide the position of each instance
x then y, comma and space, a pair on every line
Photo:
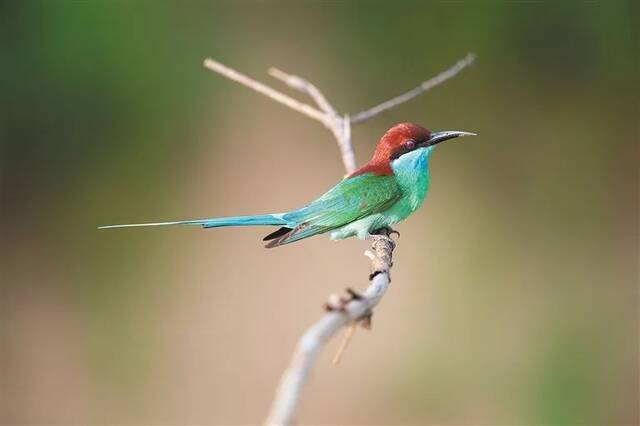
386, 190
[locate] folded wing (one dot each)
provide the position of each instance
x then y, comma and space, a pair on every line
348, 201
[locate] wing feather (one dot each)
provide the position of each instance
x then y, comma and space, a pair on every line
348, 201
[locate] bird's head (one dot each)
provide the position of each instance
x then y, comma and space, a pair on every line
407, 137
402, 139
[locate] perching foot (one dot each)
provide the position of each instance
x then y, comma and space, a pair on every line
384, 234
386, 231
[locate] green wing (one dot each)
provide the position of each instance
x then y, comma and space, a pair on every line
348, 201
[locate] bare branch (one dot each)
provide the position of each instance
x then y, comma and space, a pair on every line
343, 313
340, 126
234, 75
423, 87
342, 133
303, 85
328, 116
344, 343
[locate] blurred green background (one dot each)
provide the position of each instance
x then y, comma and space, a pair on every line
515, 293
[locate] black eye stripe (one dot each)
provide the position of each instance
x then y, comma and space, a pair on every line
401, 151
408, 146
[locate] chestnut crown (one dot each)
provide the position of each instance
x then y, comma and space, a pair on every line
400, 139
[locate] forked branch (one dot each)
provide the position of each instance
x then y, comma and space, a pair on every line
338, 124
341, 311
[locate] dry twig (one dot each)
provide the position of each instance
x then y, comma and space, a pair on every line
348, 335
423, 87
339, 314
357, 307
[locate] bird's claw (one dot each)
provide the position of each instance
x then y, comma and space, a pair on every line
386, 231
384, 234
393, 231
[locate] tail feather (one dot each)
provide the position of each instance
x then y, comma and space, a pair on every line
263, 219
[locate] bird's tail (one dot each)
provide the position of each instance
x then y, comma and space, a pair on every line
262, 219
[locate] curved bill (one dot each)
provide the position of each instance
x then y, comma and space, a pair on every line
437, 137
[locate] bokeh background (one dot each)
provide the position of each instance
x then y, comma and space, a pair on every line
515, 292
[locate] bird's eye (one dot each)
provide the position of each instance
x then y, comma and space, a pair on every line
410, 144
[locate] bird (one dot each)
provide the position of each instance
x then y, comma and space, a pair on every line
381, 193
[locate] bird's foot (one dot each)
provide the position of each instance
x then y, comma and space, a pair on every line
384, 234
386, 231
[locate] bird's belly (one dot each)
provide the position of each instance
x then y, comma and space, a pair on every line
362, 228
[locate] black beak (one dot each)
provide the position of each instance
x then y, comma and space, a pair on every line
437, 137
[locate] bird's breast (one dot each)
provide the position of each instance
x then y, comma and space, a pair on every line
412, 173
